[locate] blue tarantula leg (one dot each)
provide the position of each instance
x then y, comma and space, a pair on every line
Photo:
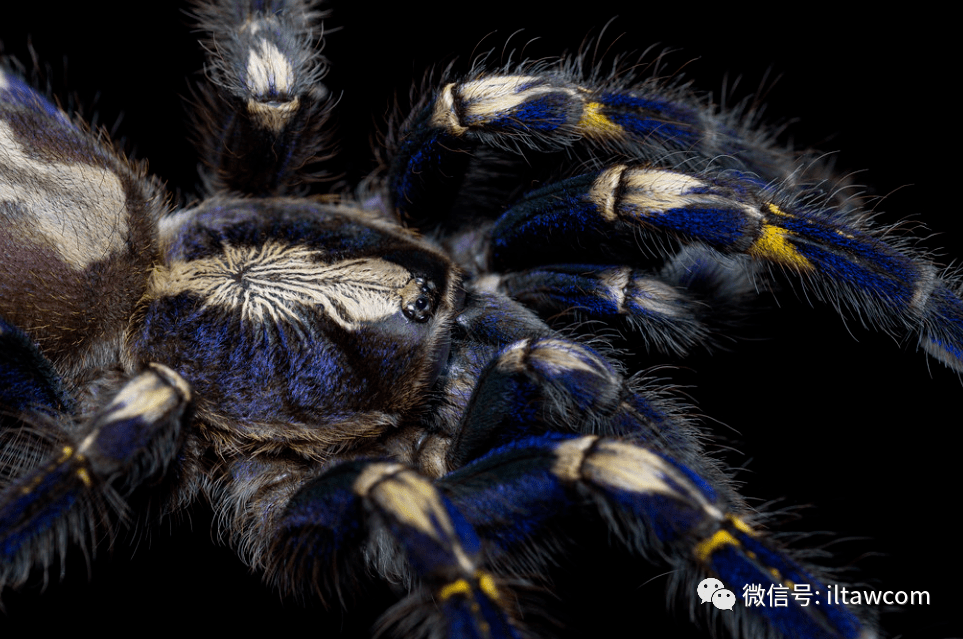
28, 381
549, 384
518, 495
666, 317
405, 523
550, 111
262, 118
543, 384
518, 111
135, 437
884, 282
32, 394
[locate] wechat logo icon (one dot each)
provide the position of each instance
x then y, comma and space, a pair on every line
713, 590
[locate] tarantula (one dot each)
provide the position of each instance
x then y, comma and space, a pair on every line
494, 198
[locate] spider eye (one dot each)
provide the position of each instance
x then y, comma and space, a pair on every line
418, 299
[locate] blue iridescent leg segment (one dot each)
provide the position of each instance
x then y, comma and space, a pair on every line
885, 283
667, 318
526, 468
516, 496
264, 107
76, 490
639, 176
548, 111
334, 524
535, 382
28, 381
552, 384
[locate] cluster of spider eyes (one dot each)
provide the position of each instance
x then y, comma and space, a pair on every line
418, 299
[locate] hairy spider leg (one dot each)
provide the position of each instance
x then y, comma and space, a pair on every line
888, 285
542, 110
263, 111
358, 513
532, 453
647, 179
663, 309
657, 507
28, 381
358, 509
548, 383
91, 469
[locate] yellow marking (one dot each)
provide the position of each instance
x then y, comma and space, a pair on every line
721, 538
26, 490
772, 244
487, 585
65, 453
741, 526
775, 210
460, 587
84, 477
593, 122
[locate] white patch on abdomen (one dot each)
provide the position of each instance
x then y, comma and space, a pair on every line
75, 209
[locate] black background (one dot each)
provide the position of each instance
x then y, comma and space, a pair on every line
862, 433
